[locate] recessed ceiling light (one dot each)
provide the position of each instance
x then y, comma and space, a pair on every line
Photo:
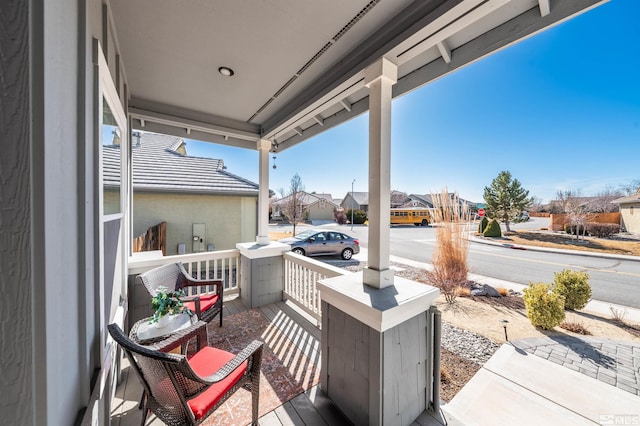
227, 72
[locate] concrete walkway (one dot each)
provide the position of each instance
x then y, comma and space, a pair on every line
559, 381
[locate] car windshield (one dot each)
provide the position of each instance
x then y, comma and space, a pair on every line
306, 234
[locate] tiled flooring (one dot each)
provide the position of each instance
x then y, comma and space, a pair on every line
289, 394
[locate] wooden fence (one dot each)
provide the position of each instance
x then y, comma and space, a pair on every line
154, 238
559, 220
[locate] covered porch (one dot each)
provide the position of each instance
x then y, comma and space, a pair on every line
263, 76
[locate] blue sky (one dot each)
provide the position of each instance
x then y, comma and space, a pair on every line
560, 110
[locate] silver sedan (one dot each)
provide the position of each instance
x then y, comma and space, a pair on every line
315, 242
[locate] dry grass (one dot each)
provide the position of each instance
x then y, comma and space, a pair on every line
463, 291
565, 241
575, 327
452, 245
275, 236
445, 376
503, 291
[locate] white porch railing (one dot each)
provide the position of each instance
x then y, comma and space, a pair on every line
217, 265
300, 277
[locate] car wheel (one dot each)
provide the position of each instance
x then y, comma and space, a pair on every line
298, 250
347, 254
425, 222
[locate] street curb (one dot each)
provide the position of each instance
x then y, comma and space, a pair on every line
556, 250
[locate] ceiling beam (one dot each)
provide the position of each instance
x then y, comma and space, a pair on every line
545, 7
445, 52
146, 117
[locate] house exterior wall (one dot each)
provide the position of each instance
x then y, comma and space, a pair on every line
630, 217
228, 219
47, 225
321, 211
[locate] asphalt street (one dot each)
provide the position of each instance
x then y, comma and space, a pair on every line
612, 280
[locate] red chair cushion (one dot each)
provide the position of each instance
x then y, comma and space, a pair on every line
206, 362
206, 302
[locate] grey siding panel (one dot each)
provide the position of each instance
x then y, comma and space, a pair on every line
374, 377
405, 371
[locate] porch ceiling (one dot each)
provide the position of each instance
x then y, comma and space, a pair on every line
299, 64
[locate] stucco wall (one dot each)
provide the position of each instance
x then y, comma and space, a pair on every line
229, 219
318, 211
630, 217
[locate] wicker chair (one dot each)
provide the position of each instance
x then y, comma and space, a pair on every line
175, 277
181, 391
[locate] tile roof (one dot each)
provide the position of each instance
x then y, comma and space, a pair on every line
159, 167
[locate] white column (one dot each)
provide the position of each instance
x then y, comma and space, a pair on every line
379, 78
263, 193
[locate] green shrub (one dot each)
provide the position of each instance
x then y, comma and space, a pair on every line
544, 309
574, 287
359, 216
483, 224
492, 229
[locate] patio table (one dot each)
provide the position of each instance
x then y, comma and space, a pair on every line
179, 332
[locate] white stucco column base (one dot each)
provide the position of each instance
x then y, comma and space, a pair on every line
263, 240
376, 278
377, 348
261, 273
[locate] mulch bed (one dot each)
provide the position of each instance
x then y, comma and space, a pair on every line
458, 371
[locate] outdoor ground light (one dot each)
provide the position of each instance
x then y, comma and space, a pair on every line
504, 325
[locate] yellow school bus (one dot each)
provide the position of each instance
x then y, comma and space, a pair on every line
419, 216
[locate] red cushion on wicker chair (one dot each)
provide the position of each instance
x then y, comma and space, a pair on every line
206, 302
206, 362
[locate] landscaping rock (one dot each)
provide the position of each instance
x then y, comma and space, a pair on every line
484, 290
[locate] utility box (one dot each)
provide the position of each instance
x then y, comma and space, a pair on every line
199, 237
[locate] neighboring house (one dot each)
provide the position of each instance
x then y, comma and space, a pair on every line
314, 206
415, 200
630, 212
195, 196
356, 200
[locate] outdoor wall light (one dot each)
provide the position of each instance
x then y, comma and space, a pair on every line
226, 71
504, 325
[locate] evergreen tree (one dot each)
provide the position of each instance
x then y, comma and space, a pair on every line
506, 198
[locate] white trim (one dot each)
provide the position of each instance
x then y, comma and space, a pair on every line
256, 251
380, 309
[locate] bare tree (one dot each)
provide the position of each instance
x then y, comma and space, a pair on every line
398, 198
631, 188
536, 204
292, 205
602, 203
571, 204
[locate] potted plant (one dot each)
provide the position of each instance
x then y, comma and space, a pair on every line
165, 304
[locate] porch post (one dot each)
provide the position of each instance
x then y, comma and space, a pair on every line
379, 78
263, 194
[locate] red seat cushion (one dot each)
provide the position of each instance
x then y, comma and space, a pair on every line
206, 301
206, 362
